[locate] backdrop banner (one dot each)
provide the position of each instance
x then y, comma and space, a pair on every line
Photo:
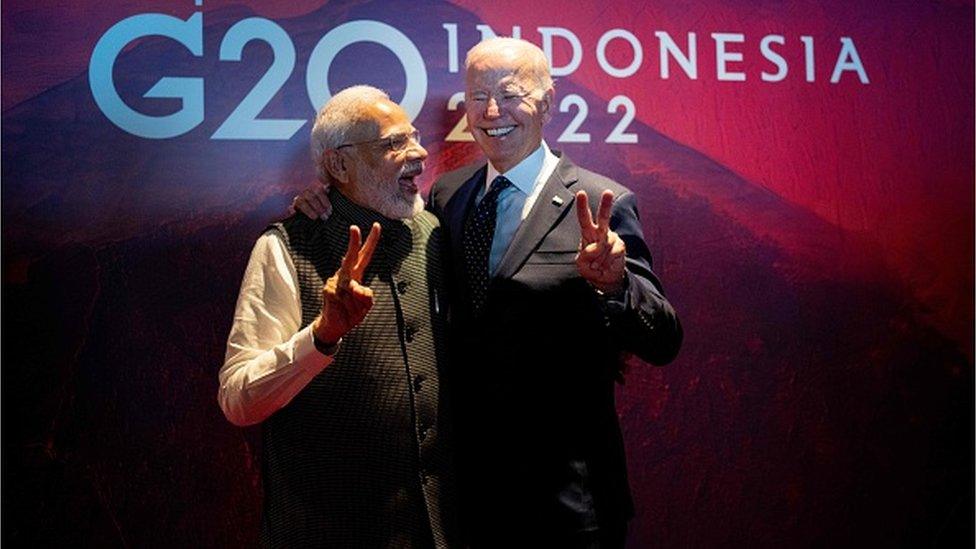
805, 177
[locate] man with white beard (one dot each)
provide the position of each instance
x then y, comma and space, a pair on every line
337, 347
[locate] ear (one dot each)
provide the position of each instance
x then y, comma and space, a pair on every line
336, 165
546, 105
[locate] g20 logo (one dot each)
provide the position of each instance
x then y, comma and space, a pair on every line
243, 122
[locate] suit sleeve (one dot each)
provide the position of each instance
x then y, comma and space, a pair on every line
641, 318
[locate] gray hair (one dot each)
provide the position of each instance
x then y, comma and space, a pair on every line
535, 62
339, 118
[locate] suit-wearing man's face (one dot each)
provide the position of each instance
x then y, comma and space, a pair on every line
505, 107
385, 160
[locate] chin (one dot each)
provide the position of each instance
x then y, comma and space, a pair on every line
401, 207
505, 155
491, 147
417, 206
495, 157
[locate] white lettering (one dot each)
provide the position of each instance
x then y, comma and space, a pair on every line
548, 33
808, 56
334, 41
722, 57
688, 63
452, 46
848, 60
635, 46
774, 58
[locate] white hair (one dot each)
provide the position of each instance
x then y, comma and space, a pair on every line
533, 59
339, 118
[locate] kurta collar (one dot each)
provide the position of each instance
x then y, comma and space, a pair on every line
363, 217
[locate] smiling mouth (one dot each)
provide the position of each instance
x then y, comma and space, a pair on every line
407, 175
499, 132
408, 185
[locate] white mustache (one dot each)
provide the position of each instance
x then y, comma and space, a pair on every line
412, 169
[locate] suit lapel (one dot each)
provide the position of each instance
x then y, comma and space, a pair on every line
464, 197
552, 203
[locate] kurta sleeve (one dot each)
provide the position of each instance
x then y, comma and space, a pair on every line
269, 358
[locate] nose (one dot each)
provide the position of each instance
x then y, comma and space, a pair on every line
491, 108
416, 151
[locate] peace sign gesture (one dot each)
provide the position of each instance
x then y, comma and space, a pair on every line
345, 301
601, 251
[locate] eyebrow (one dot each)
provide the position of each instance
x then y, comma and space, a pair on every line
397, 134
408, 129
509, 88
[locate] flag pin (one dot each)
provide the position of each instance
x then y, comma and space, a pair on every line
557, 201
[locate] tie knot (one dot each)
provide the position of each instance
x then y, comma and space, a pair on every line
498, 185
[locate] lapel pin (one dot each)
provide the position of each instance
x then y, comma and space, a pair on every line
557, 201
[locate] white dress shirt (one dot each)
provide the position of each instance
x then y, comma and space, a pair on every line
514, 203
269, 359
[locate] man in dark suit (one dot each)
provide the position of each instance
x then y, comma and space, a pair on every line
545, 303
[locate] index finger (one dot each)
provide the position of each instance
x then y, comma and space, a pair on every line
603, 213
352, 251
587, 227
366, 254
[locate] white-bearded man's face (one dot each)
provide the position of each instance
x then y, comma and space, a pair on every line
397, 197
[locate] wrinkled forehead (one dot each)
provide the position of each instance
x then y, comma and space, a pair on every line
492, 74
381, 119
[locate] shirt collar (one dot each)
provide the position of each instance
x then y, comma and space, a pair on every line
525, 174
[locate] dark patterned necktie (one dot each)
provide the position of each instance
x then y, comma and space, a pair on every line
476, 243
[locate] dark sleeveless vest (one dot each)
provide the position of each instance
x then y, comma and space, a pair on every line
361, 457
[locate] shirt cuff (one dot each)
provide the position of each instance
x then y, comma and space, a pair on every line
617, 302
327, 349
307, 354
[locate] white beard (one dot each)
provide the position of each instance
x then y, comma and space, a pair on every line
386, 198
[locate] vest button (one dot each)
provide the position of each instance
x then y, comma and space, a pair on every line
401, 287
417, 381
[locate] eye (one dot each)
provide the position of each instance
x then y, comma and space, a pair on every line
479, 97
398, 142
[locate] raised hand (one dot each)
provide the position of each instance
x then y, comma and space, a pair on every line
345, 301
601, 251
313, 202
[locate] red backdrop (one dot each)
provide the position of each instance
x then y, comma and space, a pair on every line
816, 238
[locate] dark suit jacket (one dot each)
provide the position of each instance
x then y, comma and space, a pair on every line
541, 455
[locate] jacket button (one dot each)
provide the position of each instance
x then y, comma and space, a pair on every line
402, 287
411, 331
417, 381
